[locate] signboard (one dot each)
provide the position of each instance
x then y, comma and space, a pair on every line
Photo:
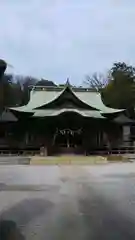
126, 130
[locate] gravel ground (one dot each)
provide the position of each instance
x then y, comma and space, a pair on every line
70, 202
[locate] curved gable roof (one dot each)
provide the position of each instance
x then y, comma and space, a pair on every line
61, 95
94, 99
39, 98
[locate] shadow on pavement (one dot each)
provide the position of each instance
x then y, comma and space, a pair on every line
10, 231
26, 211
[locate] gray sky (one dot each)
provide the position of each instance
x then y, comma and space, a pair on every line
56, 39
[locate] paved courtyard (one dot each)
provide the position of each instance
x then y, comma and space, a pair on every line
70, 202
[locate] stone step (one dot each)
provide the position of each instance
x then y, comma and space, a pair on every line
14, 161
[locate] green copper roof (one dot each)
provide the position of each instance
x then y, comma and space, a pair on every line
7, 116
94, 99
56, 112
42, 97
37, 99
122, 119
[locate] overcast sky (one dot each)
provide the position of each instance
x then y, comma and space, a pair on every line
56, 39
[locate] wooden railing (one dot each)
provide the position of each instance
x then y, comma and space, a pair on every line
23, 152
32, 150
26, 152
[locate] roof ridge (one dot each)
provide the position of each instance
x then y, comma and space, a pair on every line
58, 88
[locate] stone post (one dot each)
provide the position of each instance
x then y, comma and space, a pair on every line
43, 151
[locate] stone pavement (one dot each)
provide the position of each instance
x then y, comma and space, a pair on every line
70, 202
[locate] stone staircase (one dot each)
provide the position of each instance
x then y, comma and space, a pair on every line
129, 157
68, 160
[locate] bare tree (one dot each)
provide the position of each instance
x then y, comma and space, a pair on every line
97, 81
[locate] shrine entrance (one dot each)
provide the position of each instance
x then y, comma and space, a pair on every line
68, 141
68, 138
68, 133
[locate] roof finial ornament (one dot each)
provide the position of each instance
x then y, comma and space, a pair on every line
67, 82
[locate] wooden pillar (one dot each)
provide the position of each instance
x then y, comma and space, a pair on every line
85, 141
26, 138
99, 139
